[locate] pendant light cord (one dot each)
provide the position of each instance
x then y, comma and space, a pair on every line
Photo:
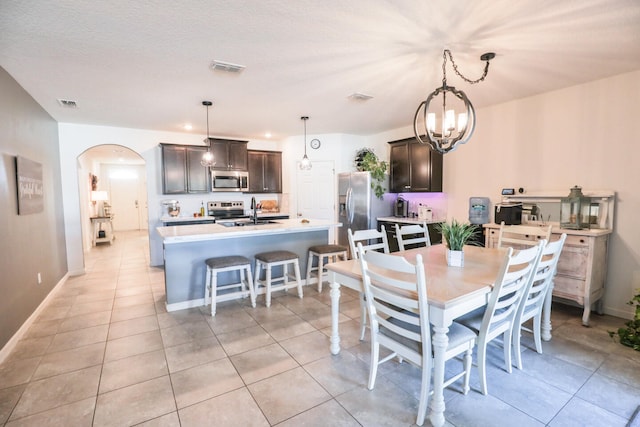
304, 119
305, 137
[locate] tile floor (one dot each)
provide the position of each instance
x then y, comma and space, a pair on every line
104, 352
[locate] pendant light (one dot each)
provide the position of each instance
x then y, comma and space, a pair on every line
207, 158
440, 129
305, 163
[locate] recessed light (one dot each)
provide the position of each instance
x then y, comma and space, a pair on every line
357, 96
188, 126
267, 135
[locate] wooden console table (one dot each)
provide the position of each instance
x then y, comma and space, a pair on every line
582, 268
96, 223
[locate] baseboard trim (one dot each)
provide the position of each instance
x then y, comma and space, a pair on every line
11, 344
76, 272
185, 304
200, 301
623, 314
634, 421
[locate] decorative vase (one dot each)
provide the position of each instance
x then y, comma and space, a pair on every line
455, 258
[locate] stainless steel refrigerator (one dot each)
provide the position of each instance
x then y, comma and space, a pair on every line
358, 206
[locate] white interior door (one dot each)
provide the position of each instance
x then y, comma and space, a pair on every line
143, 208
316, 193
125, 198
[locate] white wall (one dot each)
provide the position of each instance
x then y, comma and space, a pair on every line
340, 148
584, 135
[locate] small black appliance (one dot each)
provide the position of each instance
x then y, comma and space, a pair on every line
401, 208
510, 213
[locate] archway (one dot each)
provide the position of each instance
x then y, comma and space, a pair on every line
119, 172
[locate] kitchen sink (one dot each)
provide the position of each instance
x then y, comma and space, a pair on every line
247, 222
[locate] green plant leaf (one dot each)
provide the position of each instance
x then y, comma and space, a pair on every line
630, 336
366, 160
456, 234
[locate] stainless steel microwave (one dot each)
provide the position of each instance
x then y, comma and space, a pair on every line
229, 181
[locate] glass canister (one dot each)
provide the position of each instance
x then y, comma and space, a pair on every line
575, 210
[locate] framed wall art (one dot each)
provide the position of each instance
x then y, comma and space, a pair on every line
30, 186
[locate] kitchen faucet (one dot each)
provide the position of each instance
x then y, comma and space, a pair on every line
254, 208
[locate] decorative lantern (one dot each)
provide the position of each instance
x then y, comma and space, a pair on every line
575, 210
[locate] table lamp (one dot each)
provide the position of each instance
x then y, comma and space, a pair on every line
99, 196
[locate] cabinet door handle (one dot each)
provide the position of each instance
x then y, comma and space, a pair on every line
581, 240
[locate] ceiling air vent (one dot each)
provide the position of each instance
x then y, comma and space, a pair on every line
356, 96
227, 67
67, 103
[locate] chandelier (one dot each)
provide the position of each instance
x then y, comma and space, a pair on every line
452, 119
207, 158
305, 163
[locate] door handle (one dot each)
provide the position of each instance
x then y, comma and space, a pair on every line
350, 213
136, 203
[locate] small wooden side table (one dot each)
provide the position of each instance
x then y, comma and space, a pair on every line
96, 222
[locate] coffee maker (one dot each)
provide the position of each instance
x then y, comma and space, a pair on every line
401, 208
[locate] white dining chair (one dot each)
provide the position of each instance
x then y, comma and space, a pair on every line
534, 297
414, 235
522, 236
371, 239
396, 295
497, 319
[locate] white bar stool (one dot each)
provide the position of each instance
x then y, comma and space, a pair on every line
267, 260
228, 263
330, 252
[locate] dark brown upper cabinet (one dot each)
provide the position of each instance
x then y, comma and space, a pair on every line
181, 169
265, 171
229, 154
414, 167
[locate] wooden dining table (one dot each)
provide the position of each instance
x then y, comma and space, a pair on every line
451, 292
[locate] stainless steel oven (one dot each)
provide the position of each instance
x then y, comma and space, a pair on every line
225, 210
229, 181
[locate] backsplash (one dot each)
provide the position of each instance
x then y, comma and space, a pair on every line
436, 201
190, 203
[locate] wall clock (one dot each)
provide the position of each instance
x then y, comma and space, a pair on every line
315, 144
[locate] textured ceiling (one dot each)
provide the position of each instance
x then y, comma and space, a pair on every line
145, 64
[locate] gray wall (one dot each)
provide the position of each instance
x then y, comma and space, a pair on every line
29, 244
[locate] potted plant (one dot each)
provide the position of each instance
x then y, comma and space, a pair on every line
456, 235
630, 336
366, 160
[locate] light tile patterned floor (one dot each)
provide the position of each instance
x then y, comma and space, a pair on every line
105, 352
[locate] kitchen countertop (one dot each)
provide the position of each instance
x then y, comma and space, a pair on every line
203, 232
556, 229
407, 220
169, 219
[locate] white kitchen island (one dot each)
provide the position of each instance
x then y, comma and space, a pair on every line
186, 247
